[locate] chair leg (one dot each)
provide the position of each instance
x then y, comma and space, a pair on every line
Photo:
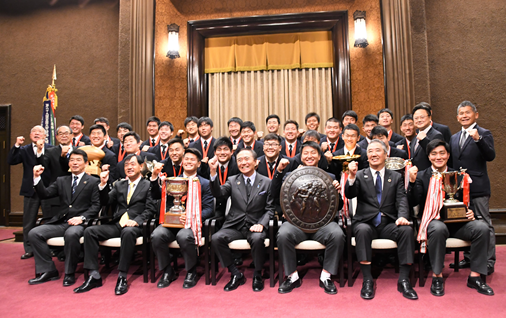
145, 255
350, 268
271, 265
341, 273
152, 264
456, 261
213, 266
421, 270
206, 263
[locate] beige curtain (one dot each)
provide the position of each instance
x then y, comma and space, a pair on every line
398, 58
290, 94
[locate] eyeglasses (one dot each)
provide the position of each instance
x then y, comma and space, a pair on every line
63, 133
271, 145
420, 118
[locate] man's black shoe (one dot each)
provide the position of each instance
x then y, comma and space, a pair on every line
258, 283
190, 280
490, 269
438, 286
26, 255
121, 286
404, 287
288, 285
69, 280
479, 285
235, 281
89, 284
166, 279
44, 277
367, 291
465, 263
328, 286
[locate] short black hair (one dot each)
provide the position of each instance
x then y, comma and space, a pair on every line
124, 125
311, 133
433, 144
195, 152
78, 118
272, 136
406, 117
191, 119
271, 117
379, 131
223, 141
138, 157
134, 134
290, 121
101, 120
153, 119
352, 127
234, 120
350, 113
80, 152
311, 144
335, 120
369, 118
248, 124
205, 120
253, 152
175, 141
386, 110
312, 114
97, 126
166, 123
423, 106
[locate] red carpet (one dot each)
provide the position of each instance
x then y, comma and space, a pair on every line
144, 300
6, 234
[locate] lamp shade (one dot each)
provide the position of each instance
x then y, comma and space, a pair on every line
360, 29
173, 41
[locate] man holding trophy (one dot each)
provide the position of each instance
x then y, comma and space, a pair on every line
426, 189
168, 232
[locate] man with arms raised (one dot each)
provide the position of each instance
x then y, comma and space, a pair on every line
422, 117
382, 212
434, 232
80, 202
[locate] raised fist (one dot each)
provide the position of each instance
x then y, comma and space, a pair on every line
352, 169
283, 163
20, 140
413, 172
37, 171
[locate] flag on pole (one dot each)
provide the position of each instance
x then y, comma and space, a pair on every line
50, 102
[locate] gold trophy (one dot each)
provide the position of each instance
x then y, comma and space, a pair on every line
176, 187
453, 210
95, 155
345, 160
396, 163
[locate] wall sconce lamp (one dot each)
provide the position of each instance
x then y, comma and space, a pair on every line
360, 29
173, 43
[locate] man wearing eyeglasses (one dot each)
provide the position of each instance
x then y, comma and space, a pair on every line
422, 117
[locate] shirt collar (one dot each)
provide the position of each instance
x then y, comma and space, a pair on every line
224, 165
208, 140
252, 177
352, 151
189, 177
79, 176
435, 170
136, 182
470, 127
426, 130
382, 172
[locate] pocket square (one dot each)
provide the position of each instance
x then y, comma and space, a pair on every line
262, 193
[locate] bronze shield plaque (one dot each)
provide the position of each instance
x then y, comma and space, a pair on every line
308, 199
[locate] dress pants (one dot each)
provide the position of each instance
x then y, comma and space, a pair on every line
366, 232
162, 236
42, 254
30, 211
480, 206
474, 231
256, 240
331, 235
95, 234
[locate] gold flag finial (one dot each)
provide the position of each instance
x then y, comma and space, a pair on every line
54, 74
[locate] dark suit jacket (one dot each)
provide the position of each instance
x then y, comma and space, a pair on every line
419, 157
111, 159
395, 152
120, 167
284, 148
258, 147
444, 130
147, 143
474, 157
395, 138
115, 148
27, 157
405, 146
156, 150
198, 145
394, 202
56, 166
244, 211
84, 139
340, 143
204, 170
141, 206
336, 167
115, 141
85, 201
263, 165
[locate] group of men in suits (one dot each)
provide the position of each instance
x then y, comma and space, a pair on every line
240, 168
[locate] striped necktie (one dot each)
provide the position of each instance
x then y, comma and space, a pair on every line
130, 192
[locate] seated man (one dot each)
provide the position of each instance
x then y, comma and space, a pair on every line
382, 212
436, 231
79, 202
248, 218
132, 197
163, 236
331, 235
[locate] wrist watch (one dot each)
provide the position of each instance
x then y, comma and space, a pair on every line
83, 218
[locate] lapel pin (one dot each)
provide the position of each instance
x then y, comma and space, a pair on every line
365, 177
238, 182
84, 182
389, 180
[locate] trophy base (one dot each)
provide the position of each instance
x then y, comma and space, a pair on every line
454, 212
93, 170
172, 220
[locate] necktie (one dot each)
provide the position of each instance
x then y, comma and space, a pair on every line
130, 192
222, 168
248, 147
416, 143
205, 144
191, 140
235, 141
163, 148
74, 141
271, 164
153, 141
348, 153
290, 147
248, 186
331, 147
176, 167
74, 185
463, 138
377, 218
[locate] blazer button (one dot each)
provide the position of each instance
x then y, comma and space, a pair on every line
70, 206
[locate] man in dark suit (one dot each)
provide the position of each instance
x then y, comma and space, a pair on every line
380, 132
350, 135
333, 141
310, 135
443, 129
172, 165
27, 155
152, 124
291, 146
161, 150
248, 139
110, 141
134, 206
163, 236
109, 162
250, 211
368, 123
272, 123
386, 119
437, 231
76, 124
205, 144
331, 235
312, 121
80, 202
408, 129
382, 212
350, 117
119, 149
471, 148
234, 125
132, 142
422, 117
